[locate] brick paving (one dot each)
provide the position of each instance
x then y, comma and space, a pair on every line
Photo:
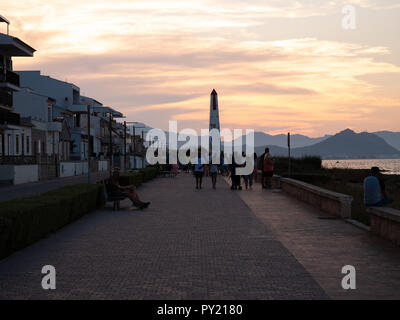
324, 246
190, 244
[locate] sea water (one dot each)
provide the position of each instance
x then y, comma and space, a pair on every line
391, 166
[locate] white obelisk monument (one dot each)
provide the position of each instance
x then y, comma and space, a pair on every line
214, 112
214, 120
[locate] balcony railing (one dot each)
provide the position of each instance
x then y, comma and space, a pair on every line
9, 77
9, 117
6, 99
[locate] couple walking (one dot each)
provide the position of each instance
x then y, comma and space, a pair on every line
199, 169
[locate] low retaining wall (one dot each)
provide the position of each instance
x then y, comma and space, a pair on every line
385, 222
69, 169
18, 174
333, 203
103, 165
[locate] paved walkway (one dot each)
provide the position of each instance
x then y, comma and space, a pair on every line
10, 192
324, 246
190, 244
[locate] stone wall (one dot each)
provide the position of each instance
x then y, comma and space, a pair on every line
334, 203
385, 222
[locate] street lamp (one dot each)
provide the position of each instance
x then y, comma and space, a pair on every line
134, 144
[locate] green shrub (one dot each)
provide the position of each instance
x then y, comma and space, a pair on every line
299, 165
138, 177
149, 173
135, 178
25, 221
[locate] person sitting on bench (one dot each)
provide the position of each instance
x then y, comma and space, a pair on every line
375, 191
127, 191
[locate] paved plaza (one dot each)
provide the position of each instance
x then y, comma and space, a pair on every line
202, 244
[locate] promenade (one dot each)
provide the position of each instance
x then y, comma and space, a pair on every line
204, 244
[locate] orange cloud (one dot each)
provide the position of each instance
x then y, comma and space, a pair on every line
159, 60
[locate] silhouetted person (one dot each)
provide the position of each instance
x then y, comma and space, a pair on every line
375, 191
248, 179
126, 191
267, 169
199, 171
235, 178
213, 173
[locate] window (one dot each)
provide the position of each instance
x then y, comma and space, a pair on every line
49, 114
9, 145
17, 144
28, 146
22, 144
77, 120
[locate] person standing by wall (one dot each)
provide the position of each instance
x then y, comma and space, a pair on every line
268, 170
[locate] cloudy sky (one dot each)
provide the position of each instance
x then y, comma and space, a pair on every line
278, 65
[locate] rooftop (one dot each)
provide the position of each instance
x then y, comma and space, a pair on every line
14, 47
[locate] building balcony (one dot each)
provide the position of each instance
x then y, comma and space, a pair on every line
54, 126
7, 117
81, 108
9, 80
6, 99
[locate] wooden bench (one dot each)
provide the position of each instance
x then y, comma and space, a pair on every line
115, 198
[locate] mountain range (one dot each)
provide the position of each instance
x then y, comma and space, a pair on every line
344, 145
299, 141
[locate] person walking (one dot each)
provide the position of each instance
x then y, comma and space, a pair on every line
253, 176
235, 178
199, 171
213, 173
248, 182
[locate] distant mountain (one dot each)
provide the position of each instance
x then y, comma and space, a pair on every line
392, 138
344, 145
297, 140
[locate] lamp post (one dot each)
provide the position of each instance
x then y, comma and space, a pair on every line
289, 145
111, 148
89, 145
134, 142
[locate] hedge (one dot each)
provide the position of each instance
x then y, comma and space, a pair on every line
138, 177
27, 220
127, 179
305, 164
149, 173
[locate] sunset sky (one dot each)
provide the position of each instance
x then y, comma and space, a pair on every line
277, 65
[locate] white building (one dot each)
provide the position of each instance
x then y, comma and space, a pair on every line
15, 134
67, 109
50, 134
